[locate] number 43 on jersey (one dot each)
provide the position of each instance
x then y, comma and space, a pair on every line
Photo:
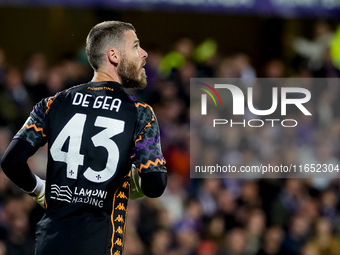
73, 131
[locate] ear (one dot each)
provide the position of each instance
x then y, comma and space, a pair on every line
113, 55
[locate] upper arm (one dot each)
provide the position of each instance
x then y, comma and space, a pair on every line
34, 129
147, 153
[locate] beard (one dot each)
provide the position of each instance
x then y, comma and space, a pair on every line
129, 74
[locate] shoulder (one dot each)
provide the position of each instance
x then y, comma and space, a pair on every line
43, 107
142, 107
145, 115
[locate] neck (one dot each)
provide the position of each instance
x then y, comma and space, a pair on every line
104, 76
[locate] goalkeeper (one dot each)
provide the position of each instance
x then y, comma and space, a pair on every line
103, 147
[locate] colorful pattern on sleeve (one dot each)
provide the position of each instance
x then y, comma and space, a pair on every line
33, 131
147, 154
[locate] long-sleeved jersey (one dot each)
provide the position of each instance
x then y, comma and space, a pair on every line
95, 132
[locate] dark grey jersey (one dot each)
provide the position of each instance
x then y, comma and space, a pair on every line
95, 132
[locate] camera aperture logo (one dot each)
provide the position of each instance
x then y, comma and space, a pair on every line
204, 97
281, 98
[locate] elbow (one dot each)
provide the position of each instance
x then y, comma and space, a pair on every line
6, 163
9, 165
154, 184
13, 158
153, 192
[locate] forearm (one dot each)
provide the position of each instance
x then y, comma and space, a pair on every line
14, 164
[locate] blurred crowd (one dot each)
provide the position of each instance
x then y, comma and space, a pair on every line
216, 216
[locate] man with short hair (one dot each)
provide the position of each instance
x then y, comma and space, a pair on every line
96, 133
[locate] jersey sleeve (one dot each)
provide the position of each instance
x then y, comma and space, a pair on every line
147, 154
33, 131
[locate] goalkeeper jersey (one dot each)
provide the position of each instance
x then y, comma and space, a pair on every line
95, 132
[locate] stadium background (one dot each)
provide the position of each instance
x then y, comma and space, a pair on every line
41, 52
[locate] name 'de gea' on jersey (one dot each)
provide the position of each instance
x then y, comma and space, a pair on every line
103, 102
